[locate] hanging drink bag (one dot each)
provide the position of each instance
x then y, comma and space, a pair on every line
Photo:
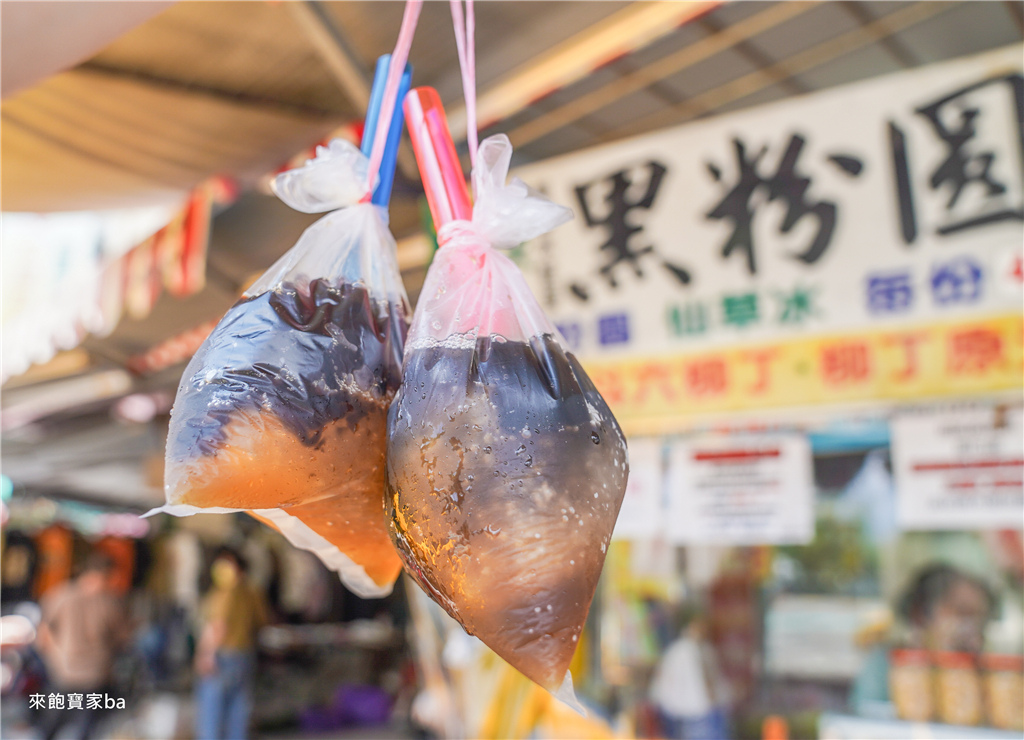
505, 468
282, 410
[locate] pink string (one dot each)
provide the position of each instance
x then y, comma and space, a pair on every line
398, 59
465, 42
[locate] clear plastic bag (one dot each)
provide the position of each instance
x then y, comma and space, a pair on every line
505, 469
282, 410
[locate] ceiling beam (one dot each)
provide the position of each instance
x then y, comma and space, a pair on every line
806, 60
333, 49
757, 58
35, 402
63, 364
228, 96
652, 73
621, 33
891, 44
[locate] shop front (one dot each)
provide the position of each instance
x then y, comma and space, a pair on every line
807, 316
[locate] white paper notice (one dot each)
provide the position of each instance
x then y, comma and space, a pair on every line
961, 469
642, 514
741, 490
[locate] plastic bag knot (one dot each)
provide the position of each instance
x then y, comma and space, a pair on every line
508, 213
334, 178
458, 231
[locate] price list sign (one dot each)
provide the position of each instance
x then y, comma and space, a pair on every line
960, 469
741, 490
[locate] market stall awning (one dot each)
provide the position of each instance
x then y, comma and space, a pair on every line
230, 88
203, 89
41, 40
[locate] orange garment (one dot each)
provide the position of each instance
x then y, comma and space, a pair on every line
55, 545
122, 552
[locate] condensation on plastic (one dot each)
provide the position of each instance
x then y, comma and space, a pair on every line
335, 178
505, 468
283, 407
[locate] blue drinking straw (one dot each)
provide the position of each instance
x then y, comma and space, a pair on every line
382, 194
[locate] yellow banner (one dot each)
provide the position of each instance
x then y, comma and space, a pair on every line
949, 359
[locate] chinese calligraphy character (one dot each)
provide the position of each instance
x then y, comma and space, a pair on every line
1016, 271
845, 363
890, 293
621, 230
93, 701
740, 310
55, 701
904, 190
707, 377
957, 281
654, 376
75, 701
909, 344
36, 701
613, 329
786, 185
572, 333
796, 305
687, 320
761, 360
973, 351
968, 165
610, 383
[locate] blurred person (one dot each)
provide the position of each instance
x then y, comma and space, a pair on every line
233, 612
688, 689
945, 609
17, 570
83, 627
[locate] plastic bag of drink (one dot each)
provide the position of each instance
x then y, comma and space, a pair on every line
282, 411
505, 469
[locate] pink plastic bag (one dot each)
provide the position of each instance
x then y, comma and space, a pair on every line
506, 469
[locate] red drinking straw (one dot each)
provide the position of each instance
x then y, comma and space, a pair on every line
439, 165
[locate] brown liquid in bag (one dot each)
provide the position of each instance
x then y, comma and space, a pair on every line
284, 407
506, 471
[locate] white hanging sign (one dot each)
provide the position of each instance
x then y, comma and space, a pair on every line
894, 201
741, 490
960, 469
642, 514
